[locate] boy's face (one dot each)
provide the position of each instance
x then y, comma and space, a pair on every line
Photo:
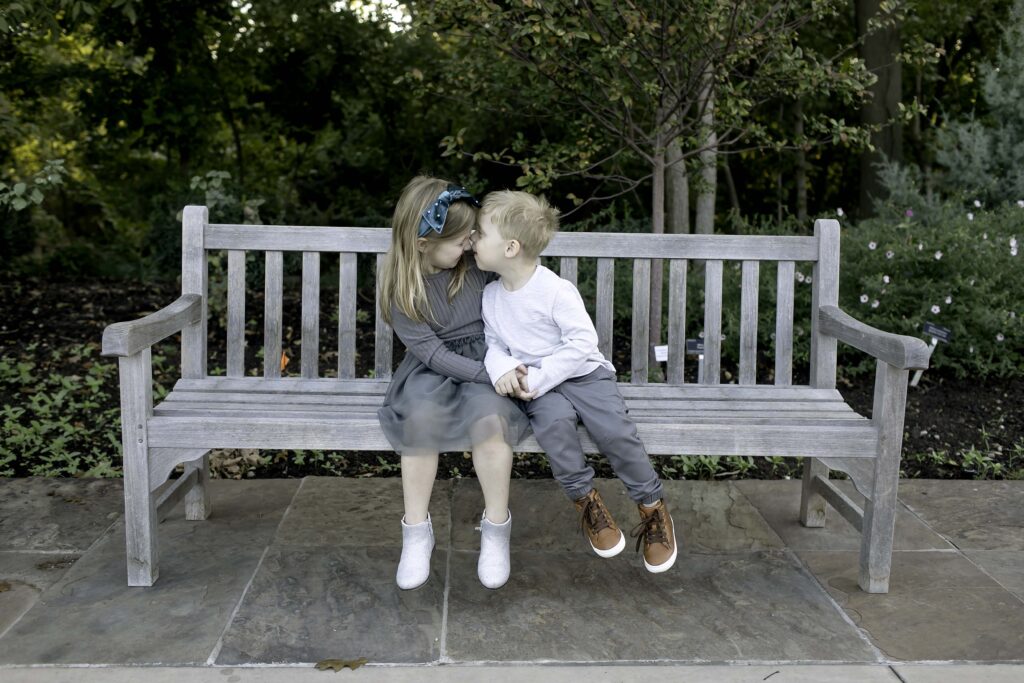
488, 244
445, 254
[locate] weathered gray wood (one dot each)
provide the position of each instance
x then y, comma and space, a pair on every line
713, 321
748, 323
901, 351
573, 244
197, 499
310, 314
813, 507
887, 414
605, 305
845, 506
861, 472
236, 313
384, 337
140, 514
347, 283
194, 280
569, 269
676, 321
697, 437
824, 292
131, 337
162, 462
784, 324
272, 309
641, 321
171, 493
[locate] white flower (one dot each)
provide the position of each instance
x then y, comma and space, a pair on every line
984, 235
1013, 242
1013, 314
935, 309
872, 246
938, 255
977, 204
920, 246
949, 299
839, 212
971, 282
889, 254
808, 280
874, 304
1000, 337
1020, 203
863, 298
970, 216
970, 349
885, 279
799, 276
1013, 252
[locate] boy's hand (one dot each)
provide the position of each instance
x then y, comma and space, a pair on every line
523, 392
508, 384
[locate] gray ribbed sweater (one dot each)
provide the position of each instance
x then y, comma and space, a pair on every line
459, 319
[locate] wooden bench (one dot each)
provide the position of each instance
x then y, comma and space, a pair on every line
309, 411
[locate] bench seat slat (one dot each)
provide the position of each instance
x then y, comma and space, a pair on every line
858, 440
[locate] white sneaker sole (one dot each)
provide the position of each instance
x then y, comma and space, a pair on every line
612, 552
667, 564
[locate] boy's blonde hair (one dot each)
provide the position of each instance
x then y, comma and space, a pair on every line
523, 217
401, 278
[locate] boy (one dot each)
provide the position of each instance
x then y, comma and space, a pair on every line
542, 348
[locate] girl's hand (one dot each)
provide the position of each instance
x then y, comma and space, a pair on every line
508, 384
523, 392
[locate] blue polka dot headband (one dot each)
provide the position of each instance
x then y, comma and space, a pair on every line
433, 216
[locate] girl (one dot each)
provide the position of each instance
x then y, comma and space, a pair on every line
441, 398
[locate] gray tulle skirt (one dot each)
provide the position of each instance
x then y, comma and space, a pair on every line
429, 411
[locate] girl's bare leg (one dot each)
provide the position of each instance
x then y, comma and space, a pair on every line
419, 469
492, 460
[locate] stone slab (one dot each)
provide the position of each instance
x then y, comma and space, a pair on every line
332, 511
91, 616
940, 607
307, 604
576, 607
23, 577
959, 673
40, 513
974, 515
1006, 567
778, 502
710, 517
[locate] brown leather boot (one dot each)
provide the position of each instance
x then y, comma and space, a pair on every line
596, 522
658, 536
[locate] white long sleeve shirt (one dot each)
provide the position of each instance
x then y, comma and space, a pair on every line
542, 325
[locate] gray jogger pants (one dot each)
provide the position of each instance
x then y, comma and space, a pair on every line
595, 401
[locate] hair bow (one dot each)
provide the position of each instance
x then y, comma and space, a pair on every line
433, 216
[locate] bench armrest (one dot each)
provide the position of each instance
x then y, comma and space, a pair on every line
128, 338
898, 350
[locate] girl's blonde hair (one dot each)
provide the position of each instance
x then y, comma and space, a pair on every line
401, 278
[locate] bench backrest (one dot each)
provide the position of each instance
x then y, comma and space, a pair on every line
199, 237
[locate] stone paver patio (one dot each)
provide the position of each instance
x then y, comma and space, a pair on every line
289, 572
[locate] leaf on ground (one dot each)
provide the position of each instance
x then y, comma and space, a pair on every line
339, 664
5, 586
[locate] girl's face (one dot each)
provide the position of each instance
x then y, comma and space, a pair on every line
443, 254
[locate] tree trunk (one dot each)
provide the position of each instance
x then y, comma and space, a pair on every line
730, 185
801, 162
879, 51
677, 191
658, 228
705, 219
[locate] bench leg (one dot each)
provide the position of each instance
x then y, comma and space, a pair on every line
812, 505
197, 500
879, 523
140, 515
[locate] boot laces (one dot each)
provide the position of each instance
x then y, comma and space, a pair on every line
650, 530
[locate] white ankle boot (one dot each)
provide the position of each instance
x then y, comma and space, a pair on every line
494, 565
417, 544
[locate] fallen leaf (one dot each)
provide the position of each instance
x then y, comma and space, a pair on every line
339, 664
4, 587
284, 361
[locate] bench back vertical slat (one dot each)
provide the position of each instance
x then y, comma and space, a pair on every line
712, 321
641, 319
748, 322
236, 313
194, 280
273, 293
382, 348
784, 324
347, 284
605, 304
568, 269
824, 292
310, 314
676, 320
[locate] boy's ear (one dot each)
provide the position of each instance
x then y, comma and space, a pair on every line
512, 248
421, 245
